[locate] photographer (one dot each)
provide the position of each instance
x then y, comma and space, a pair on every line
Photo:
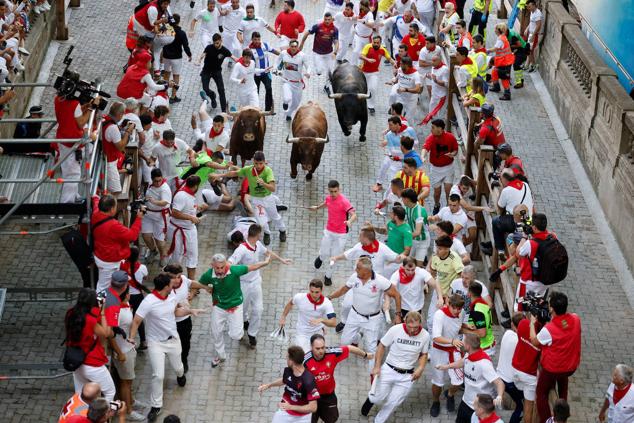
560, 342
71, 117
138, 79
111, 239
114, 143
86, 328
525, 362
101, 411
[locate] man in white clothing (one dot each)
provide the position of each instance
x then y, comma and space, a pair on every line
619, 399
461, 286
250, 24
209, 19
365, 316
231, 21
314, 313
249, 252
114, 143
345, 21
293, 66
425, 62
158, 201
363, 30
439, 76
411, 282
182, 234
243, 74
406, 86
169, 152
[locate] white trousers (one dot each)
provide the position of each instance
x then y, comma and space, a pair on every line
346, 306
409, 102
157, 351
387, 170
372, 80
265, 210
71, 169
292, 95
206, 38
438, 377
282, 416
332, 9
106, 269
303, 339
432, 309
221, 318
230, 40
357, 46
253, 305
184, 252
370, 327
323, 63
248, 97
114, 181
344, 47
332, 244
86, 374
391, 390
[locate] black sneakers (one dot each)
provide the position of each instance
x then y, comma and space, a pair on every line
182, 381
327, 281
318, 262
267, 239
153, 414
246, 326
451, 404
339, 327
435, 409
367, 406
253, 342
436, 209
282, 236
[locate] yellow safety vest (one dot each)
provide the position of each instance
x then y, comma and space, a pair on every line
478, 5
481, 98
472, 70
482, 70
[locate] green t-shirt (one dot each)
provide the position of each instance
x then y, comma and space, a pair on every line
398, 237
202, 171
227, 292
414, 215
480, 317
254, 189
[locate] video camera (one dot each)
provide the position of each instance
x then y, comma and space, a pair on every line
526, 223
71, 87
537, 306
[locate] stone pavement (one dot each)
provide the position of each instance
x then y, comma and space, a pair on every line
32, 332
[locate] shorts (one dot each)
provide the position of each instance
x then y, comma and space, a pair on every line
282, 416
154, 224
126, 369
420, 249
471, 223
114, 180
533, 40
327, 409
525, 383
440, 174
173, 65
456, 376
211, 199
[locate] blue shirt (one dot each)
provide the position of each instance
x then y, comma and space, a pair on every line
394, 140
413, 154
260, 55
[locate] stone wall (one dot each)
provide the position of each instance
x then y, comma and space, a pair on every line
37, 42
597, 113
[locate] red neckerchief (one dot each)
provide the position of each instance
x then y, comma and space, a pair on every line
412, 334
362, 14
255, 172
348, 16
433, 49
162, 94
320, 301
478, 300
158, 295
409, 71
517, 184
372, 248
125, 266
213, 133
169, 146
404, 277
288, 50
403, 127
467, 61
491, 419
252, 45
241, 61
439, 66
156, 120
188, 190
480, 50
620, 393
447, 312
479, 355
403, 119
248, 246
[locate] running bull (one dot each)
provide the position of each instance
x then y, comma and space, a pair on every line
350, 94
309, 134
247, 134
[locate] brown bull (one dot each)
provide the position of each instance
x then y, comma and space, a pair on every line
247, 134
309, 134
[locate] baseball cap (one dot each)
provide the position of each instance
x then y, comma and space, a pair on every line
505, 148
36, 110
488, 109
119, 279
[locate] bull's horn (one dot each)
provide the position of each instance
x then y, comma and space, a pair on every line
363, 96
291, 140
267, 113
322, 140
335, 96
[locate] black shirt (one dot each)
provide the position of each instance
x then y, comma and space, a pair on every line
214, 57
174, 50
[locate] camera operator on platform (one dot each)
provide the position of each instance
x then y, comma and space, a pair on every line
114, 141
560, 342
72, 118
111, 239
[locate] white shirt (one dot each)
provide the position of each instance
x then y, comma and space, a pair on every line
478, 378
367, 297
426, 55
379, 259
307, 310
125, 322
424, 6
160, 193
400, 27
442, 74
412, 295
249, 254
459, 218
249, 26
134, 118
536, 16
544, 337
140, 274
184, 203
240, 72
507, 349
293, 67
241, 224
208, 20
623, 411
182, 295
169, 157
405, 349
159, 317
401, 7
344, 25
445, 326
362, 30
457, 287
231, 22
408, 81
160, 128
511, 197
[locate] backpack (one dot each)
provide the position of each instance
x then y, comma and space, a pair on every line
74, 356
552, 259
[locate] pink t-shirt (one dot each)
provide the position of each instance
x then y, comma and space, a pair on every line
338, 209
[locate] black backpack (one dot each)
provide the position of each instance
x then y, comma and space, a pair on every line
552, 261
74, 356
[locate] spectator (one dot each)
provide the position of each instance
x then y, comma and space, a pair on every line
77, 405
525, 363
111, 239
29, 130
505, 369
490, 132
86, 327
114, 298
560, 341
114, 144
505, 153
561, 412
101, 411
461, 286
619, 400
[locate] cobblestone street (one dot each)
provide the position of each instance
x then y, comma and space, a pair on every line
32, 332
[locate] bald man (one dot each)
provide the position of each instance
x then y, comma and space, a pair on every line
78, 404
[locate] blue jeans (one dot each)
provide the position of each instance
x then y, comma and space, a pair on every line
518, 398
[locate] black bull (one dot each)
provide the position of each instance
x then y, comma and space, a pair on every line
247, 134
350, 94
310, 133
